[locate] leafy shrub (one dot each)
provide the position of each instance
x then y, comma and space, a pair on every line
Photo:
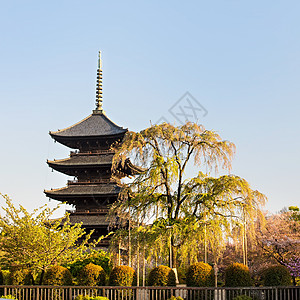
162, 276
277, 276
175, 298
19, 276
91, 275
82, 297
242, 297
99, 258
122, 276
200, 274
57, 275
8, 297
237, 275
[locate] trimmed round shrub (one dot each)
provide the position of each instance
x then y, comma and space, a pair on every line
237, 275
82, 297
91, 275
242, 297
122, 276
162, 276
100, 258
200, 274
18, 276
57, 275
277, 276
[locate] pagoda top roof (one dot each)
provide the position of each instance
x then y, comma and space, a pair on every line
95, 125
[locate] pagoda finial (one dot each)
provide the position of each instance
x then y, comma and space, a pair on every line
99, 97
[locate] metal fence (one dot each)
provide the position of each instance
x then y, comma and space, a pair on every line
149, 293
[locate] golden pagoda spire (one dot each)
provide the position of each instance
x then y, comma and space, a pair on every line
99, 96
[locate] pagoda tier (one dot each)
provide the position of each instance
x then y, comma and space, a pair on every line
95, 132
78, 190
83, 165
96, 185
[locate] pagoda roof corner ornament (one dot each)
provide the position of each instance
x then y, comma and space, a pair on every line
99, 96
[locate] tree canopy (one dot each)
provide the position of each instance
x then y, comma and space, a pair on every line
34, 241
173, 202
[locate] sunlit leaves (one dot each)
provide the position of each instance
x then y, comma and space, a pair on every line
167, 199
35, 241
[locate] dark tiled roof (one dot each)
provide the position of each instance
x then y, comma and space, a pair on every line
84, 160
80, 190
93, 125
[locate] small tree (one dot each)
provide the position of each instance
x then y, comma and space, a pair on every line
34, 241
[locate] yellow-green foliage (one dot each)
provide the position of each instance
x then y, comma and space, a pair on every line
122, 276
242, 297
175, 298
200, 274
162, 276
82, 297
237, 275
277, 276
91, 275
19, 276
57, 275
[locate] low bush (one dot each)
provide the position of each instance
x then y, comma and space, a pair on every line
122, 276
200, 275
91, 275
237, 275
175, 298
82, 297
277, 276
8, 297
57, 275
99, 258
19, 276
162, 276
242, 297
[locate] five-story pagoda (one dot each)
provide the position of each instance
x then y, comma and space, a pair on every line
95, 186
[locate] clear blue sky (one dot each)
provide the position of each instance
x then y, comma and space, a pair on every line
239, 59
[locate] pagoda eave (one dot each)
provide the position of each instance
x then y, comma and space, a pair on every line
75, 142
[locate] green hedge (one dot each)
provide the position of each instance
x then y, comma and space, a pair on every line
200, 275
99, 258
277, 276
122, 276
91, 275
19, 276
57, 275
237, 275
82, 297
162, 276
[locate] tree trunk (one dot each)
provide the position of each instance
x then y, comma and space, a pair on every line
174, 260
42, 277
